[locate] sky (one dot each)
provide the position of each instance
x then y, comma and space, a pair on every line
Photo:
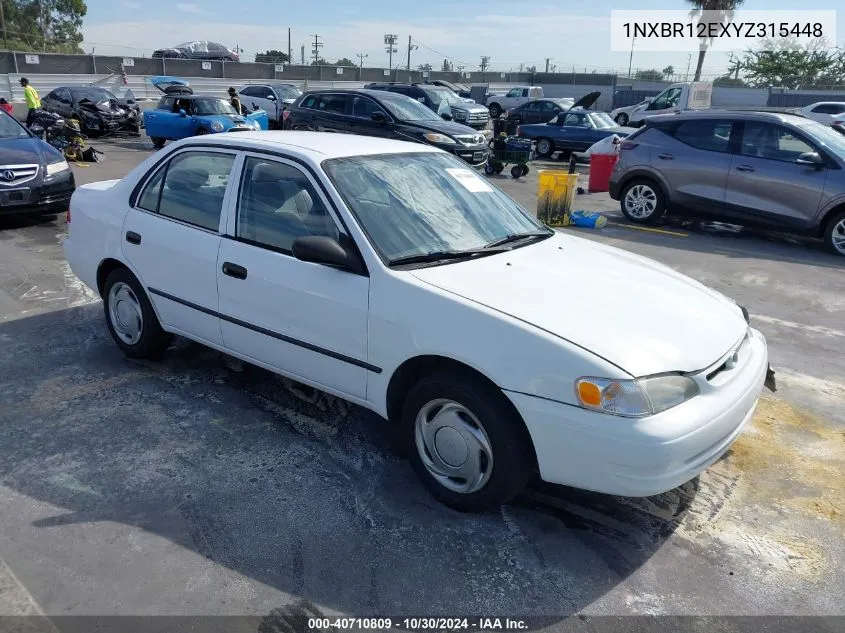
575, 35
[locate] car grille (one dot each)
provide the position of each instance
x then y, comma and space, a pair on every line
733, 361
478, 117
17, 174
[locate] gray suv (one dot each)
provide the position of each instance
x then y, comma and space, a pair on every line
762, 169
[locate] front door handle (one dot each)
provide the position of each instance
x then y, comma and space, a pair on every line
133, 238
233, 270
665, 156
744, 168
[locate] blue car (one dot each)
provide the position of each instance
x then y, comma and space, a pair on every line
572, 131
180, 114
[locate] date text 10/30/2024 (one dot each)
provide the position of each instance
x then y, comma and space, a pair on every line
416, 624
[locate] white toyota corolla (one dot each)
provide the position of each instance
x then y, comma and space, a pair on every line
390, 274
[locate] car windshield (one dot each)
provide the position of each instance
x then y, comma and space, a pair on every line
438, 95
288, 92
407, 109
92, 94
602, 120
832, 140
9, 128
416, 204
213, 106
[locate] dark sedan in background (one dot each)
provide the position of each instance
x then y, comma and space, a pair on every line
545, 109
201, 49
34, 176
572, 132
98, 110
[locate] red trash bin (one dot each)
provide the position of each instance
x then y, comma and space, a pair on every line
601, 166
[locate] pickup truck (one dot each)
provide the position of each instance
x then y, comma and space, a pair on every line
693, 95
498, 103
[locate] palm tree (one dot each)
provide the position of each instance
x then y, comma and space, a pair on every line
719, 12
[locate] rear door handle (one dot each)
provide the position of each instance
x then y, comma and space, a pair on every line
132, 237
666, 156
233, 270
744, 168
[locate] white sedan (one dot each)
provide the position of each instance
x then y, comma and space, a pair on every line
823, 111
391, 275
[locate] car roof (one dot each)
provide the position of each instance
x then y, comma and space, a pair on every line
316, 146
375, 94
743, 115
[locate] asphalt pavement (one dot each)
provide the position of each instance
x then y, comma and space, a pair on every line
187, 487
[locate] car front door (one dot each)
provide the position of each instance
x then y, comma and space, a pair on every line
694, 162
574, 133
171, 237
303, 319
361, 120
331, 114
64, 103
767, 186
530, 112
548, 110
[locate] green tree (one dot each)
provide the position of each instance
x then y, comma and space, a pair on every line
668, 71
43, 25
729, 82
649, 75
447, 66
792, 65
319, 62
272, 57
424, 67
344, 62
710, 12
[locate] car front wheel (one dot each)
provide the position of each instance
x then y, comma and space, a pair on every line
495, 110
642, 202
834, 235
622, 118
130, 317
545, 147
158, 142
466, 441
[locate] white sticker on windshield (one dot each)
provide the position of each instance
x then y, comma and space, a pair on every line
470, 180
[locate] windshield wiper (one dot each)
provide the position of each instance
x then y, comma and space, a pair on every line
436, 256
515, 237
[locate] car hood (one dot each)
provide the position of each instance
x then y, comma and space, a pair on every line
634, 312
440, 125
26, 151
469, 106
171, 85
587, 100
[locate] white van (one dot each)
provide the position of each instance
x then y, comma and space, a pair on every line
693, 95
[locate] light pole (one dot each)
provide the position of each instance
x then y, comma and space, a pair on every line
390, 46
361, 57
411, 47
631, 56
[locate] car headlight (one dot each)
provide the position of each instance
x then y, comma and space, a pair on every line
217, 126
460, 115
57, 168
634, 398
442, 139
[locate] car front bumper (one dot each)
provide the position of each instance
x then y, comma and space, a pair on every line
476, 155
644, 456
52, 196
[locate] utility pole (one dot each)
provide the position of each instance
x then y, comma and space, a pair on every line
631, 56
302, 54
317, 46
43, 27
390, 46
548, 59
689, 61
485, 61
361, 57
411, 47
290, 51
3, 26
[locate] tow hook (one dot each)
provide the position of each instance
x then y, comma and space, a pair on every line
770, 379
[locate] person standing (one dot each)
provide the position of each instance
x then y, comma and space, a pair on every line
33, 101
235, 100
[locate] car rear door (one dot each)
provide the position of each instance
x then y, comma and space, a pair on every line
171, 236
766, 186
331, 115
693, 157
303, 319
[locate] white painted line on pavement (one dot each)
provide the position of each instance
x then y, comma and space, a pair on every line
815, 329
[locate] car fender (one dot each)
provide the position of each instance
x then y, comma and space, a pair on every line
825, 210
646, 171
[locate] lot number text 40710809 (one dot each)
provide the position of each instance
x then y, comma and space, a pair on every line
416, 624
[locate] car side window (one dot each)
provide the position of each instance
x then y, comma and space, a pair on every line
54, 95
249, 91
714, 136
775, 142
166, 103
525, 92
667, 100
829, 108
363, 107
190, 188
277, 204
576, 120
333, 103
534, 106
309, 102
548, 106
514, 93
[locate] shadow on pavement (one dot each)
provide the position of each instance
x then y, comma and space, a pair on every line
286, 485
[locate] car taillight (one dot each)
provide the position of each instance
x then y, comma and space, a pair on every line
519, 130
285, 115
627, 145
68, 215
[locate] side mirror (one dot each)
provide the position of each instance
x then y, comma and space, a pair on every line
319, 249
379, 117
182, 112
255, 108
812, 159
446, 116
271, 97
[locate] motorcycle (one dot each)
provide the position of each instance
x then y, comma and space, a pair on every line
46, 125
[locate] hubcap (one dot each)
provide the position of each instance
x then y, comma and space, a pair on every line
454, 446
543, 147
640, 201
125, 313
838, 236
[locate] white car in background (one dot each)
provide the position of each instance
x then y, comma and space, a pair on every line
394, 276
623, 115
823, 111
273, 98
838, 123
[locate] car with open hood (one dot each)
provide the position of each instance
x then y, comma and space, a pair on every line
34, 176
180, 114
572, 131
391, 275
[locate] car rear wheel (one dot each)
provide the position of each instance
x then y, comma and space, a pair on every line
495, 110
834, 235
158, 142
622, 118
130, 317
201, 131
642, 202
466, 441
545, 147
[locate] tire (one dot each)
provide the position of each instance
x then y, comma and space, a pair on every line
525, 170
516, 171
201, 131
622, 119
495, 110
130, 317
652, 202
488, 169
499, 168
158, 142
545, 147
834, 234
480, 414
